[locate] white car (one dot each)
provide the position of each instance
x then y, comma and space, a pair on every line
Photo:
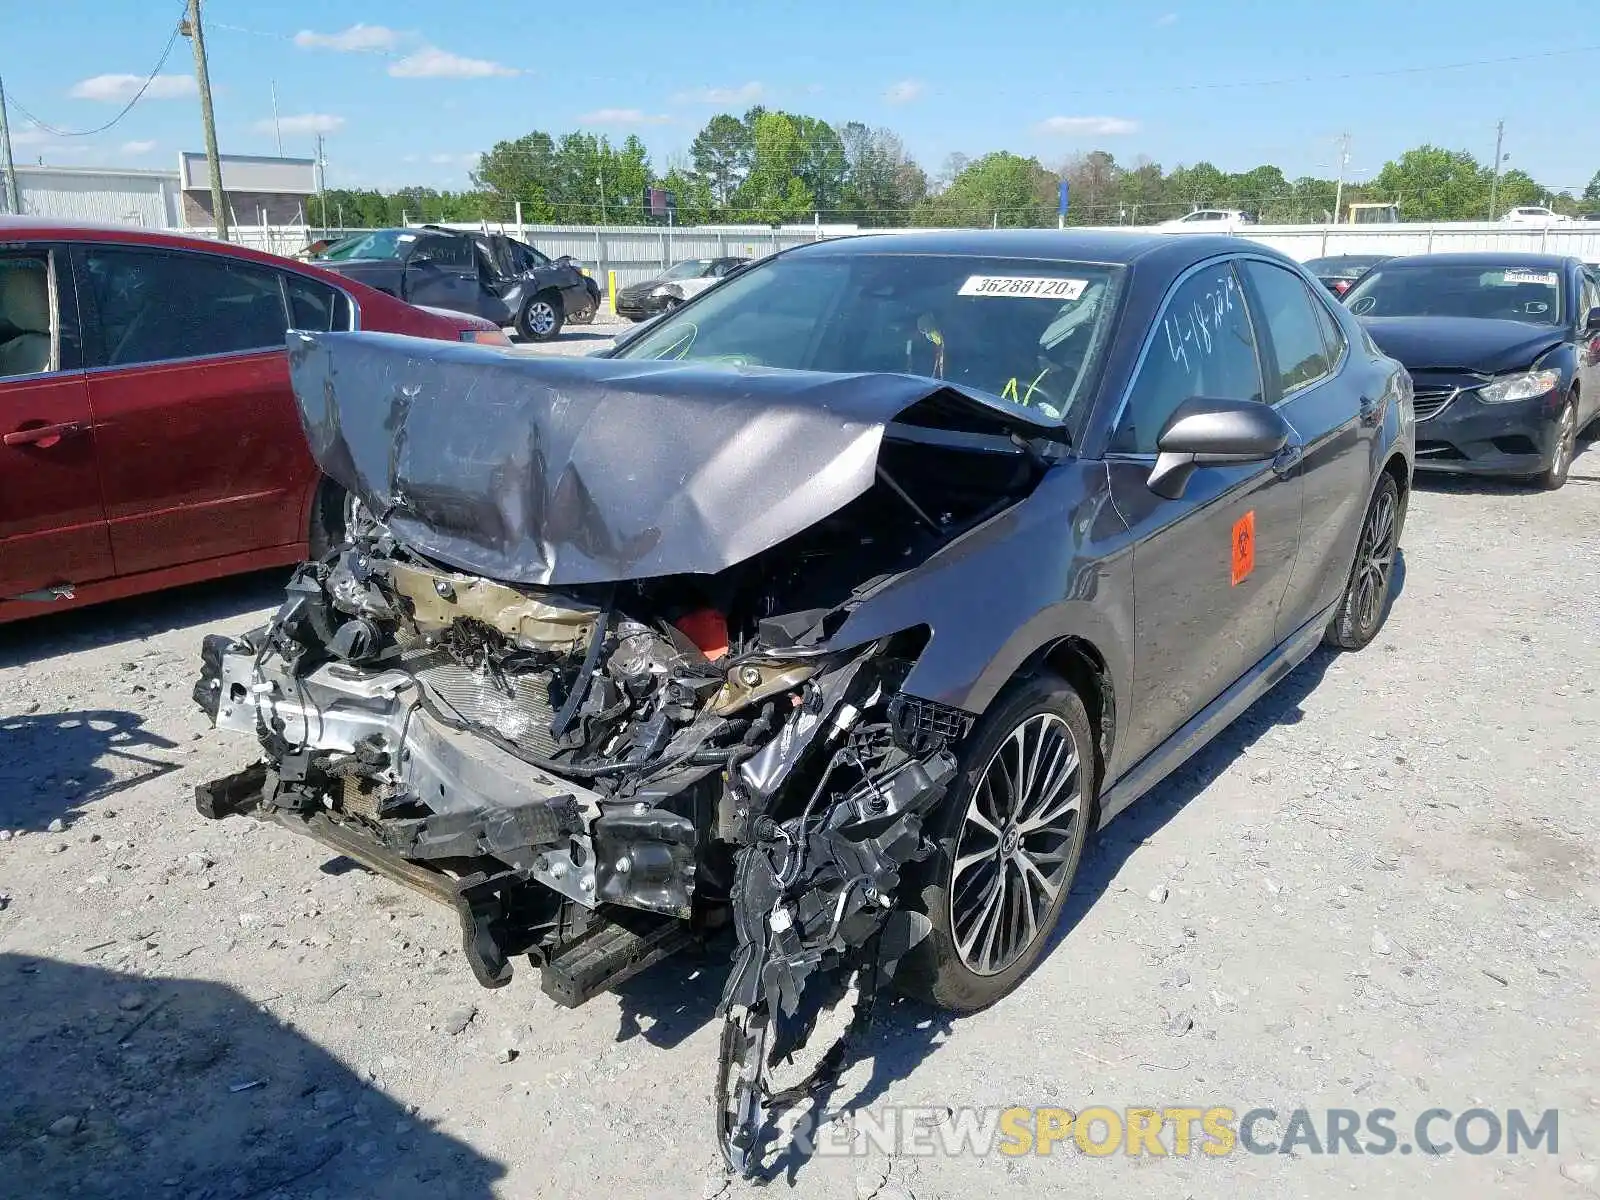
1209, 220
1533, 214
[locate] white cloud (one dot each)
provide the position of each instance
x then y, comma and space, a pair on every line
430, 62
1167, 19
623, 116
441, 159
301, 124
357, 37
134, 149
1092, 126
30, 137
120, 89
905, 91
747, 93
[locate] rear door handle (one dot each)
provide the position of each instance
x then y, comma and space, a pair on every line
44, 436
1288, 458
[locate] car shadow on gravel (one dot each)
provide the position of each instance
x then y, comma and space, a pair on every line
54, 764
116, 1087
96, 626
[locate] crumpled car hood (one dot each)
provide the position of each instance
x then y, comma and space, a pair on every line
555, 471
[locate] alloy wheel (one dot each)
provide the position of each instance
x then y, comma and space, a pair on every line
1013, 846
541, 317
1376, 560
1566, 435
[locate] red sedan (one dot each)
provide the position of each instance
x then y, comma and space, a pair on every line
150, 437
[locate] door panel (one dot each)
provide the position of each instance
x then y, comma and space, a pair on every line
1332, 403
1195, 629
201, 453
52, 523
1211, 567
443, 272
200, 459
52, 526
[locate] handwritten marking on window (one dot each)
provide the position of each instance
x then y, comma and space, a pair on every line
1198, 323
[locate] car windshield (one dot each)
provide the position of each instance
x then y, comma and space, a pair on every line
689, 268
385, 243
1424, 289
1026, 332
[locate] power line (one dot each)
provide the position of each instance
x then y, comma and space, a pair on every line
127, 108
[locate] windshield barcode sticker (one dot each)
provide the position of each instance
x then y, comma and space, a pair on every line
1037, 287
1548, 278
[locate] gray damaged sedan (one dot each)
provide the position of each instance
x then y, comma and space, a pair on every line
836, 607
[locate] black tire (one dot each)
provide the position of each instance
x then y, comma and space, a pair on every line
586, 314
1566, 445
1364, 606
541, 318
329, 519
939, 969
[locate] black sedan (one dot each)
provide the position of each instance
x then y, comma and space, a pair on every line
485, 274
640, 301
837, 606
1339, 272
1504, 352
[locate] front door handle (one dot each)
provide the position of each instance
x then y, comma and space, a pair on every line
1288, 458
44, 436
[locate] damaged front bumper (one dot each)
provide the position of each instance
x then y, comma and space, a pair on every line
594, 880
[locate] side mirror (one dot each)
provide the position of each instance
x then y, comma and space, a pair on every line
1592, 324
1206, 432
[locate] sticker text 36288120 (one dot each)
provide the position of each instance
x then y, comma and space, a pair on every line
1036, 287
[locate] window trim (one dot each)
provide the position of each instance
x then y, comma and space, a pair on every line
1334, 364
288, 308
1229, 260
89, 307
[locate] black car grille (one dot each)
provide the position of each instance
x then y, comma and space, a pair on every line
1430, 401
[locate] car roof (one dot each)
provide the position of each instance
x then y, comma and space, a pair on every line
1113, 248
1483, 258
53, 229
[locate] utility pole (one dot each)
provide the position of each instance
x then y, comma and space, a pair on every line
1344, 161
276, 128
600, 177
7, 167
322, 187
1494, 180
193, 30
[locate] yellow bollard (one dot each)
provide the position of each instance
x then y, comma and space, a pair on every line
611, 286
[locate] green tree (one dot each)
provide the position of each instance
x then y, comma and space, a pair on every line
1434, 184
1094, 181
1141, 192
773, 192
520, 170
882, 185
1199, 186
1000, 188
723, 153
1591, 194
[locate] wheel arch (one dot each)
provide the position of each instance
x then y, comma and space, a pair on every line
1080, 662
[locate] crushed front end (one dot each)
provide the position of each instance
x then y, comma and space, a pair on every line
597, 772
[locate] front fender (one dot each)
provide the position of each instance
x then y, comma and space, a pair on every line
1058, 564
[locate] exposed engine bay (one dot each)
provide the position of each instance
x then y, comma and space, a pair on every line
596, 774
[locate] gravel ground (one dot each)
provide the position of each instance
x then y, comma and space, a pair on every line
1379, 888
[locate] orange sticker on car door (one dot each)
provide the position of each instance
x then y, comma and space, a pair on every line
1244, 547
